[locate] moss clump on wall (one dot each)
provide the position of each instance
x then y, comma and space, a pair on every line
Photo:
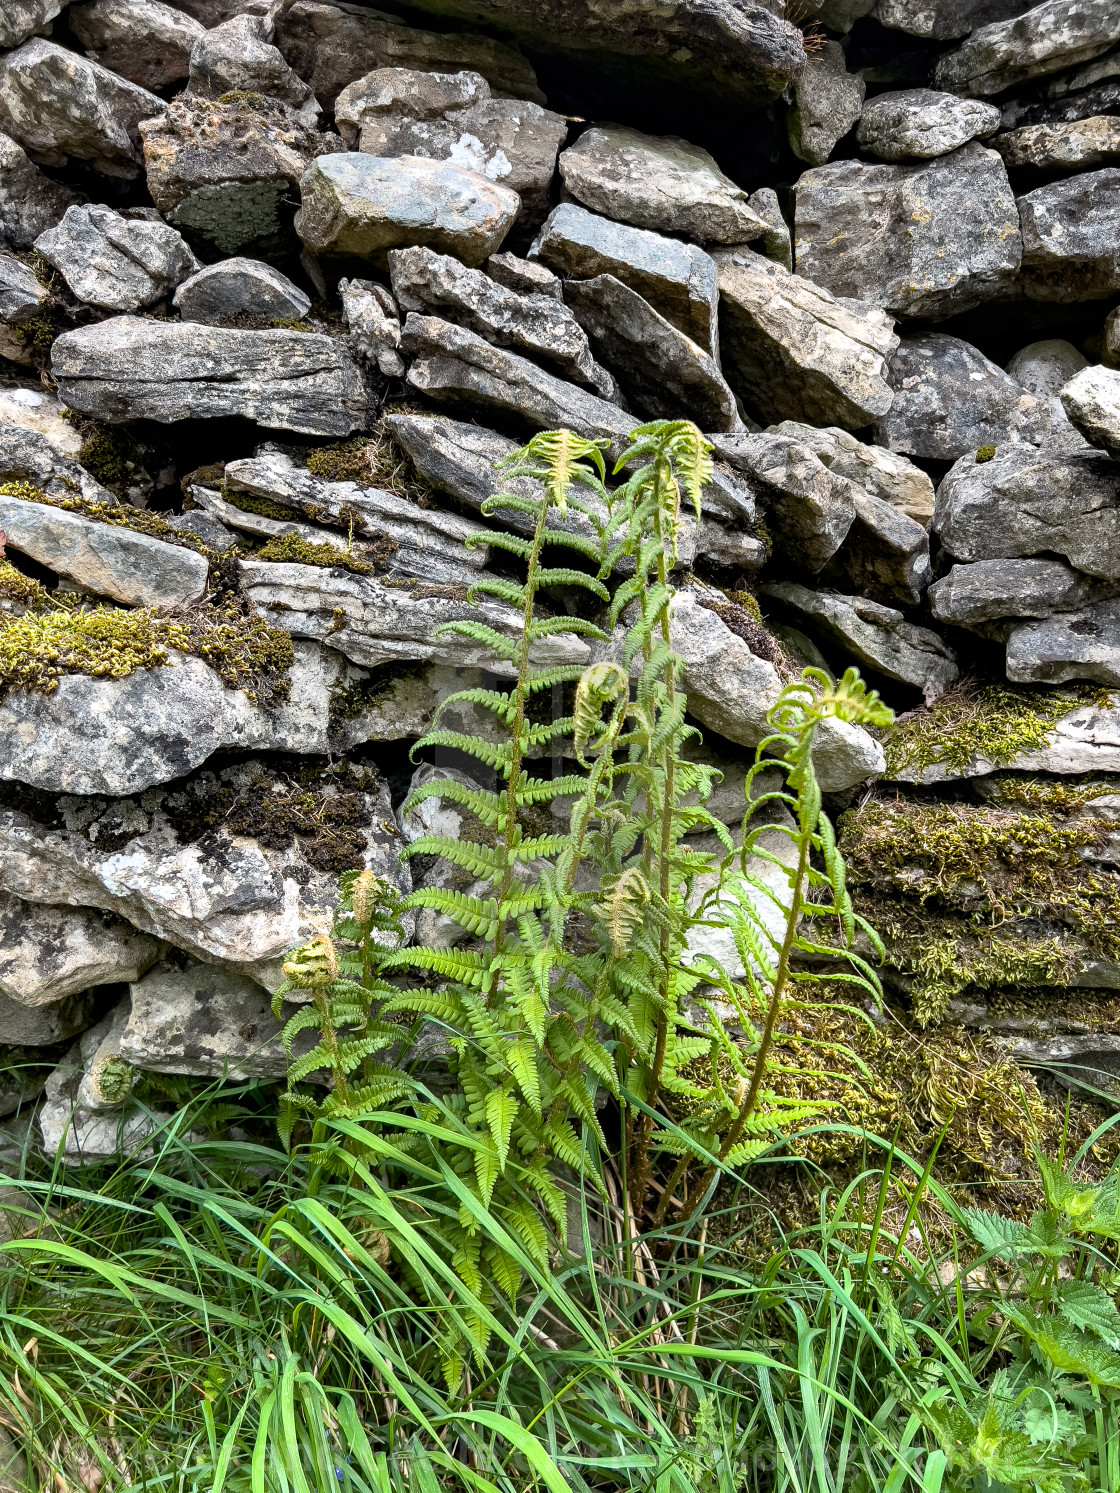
744, 619
241, 648
37, 649
19, 590
347, 701
114, 459
372, 461
290, 549
122, 516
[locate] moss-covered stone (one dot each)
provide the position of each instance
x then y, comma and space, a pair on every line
19, 590
122, 516
290, 549
372, 461
115, 460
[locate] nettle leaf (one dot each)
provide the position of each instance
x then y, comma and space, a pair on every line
1068, 1348
997, 1235
1086, 1305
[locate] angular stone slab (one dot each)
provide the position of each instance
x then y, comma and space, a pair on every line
827, 100
30, 202
22, 18
29, 455
918, 123
119, 264
1091, 400
1049, 38
1067, 645
883, 474
205, 1021
238, 57
1057, 147
1070, 238
48, 953
988, 590
811, 508
145, 41
945, 19
240, 287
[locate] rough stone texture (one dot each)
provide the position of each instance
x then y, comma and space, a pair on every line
119, 264
538, 325
455, 365
793, 351
916, 123
1048, 147
76, 1125
988, 590
41, 413
525, 276
30, 202
130, 369
877, 637
29, 455
1071, 249
1050, 37
881, 473
59, 106
1091, 400
130, 567
203, 1020
1026, 502
21, 292
677, 279
22, 18
1083, 104
362, 205
663, 373
229, 517
1044, 368
665, 184
237, 57
49, 953
452, 117
239, 287
827, 100
141, 40
331, 45
1084, 741
1110, 339
946, 19
373, 318
1067, 645
923, 240
950, 400
884, 556
811, 508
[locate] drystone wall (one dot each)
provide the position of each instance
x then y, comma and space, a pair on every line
281, 280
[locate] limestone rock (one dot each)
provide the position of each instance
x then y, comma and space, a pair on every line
949, 400
30, 202
1044, 368
777, 242
452, 117
373, 317
331, 45
43, 1026
60, 106
227, 516
76, 1124
525, 276
1025, 502
810, 509
22, 18
665, 184
1049, 147
30, 455
877, 637
1050, 37
435, 816
924, 240
1086, 103
794, 351
365, 205
538, 325
677, 279
1070, 243
663, 373
945, 19
119, 264
827, 100
131, 369
1067, 645
884, 556
41, 413
48, 953
21, 296
120, 563
240, 287
203, 1020
1091, 399
237, 57
989, 590
917, 123
883, 474
142, 40
203, 526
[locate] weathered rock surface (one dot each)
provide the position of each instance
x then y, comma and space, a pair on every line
1067, 645
663, 373
884, 556
950, 400
1048, 147
827, 100
142, 40
374, 320
989, 590
365, 205
117, 263
21, 295
232, 288
131, 369
112, 561
660, 183
883, 474
917, 123
1085, 103
203, 1020
538, 325
49, 953
1025, 502
28, 455
77, 1125
677, 279
777, 242
59, 106
1050, 37
1091, 400
22, 18
525, 276
41, 413
1044, 368
877, 637
945, 19
794, 351
238, 57
810, 509
1070, 238
923, 240
30, 202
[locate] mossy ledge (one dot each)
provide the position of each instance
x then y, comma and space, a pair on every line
121, 516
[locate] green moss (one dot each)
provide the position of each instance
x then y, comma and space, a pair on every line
124, 516
265, 507
985, 453
289, 323
37, 649
745, 621
111, 457
292, 550
240, 647
372, 461
244, 96
38, 332
20, 590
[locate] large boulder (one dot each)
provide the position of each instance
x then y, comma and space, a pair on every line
665, 184
22, 18
60, 106
1068, 645
794, 351
989, 591
359, 205
917, 123
49, 953
1071, 233
119, 264
131, 369
142, 40
235, 288
945, 19
924, 240
827, 100
1049, 38
238, 57
1091, 400
30, 202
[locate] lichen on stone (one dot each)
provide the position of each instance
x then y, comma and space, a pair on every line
232, 214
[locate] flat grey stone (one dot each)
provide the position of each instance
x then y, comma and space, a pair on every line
365, 205
525, 276
205, 1021
22, 18
777, 242
1025, 502
239, 287
1091, 400
1070, 238
30, 202
989, 590
374, 320
663, 373
1049, 38
21, 292
877, 637
827, 100
537, 325
926, 240
884, 474
119, 264
1055, 147
677, 279
120, 563
43, 1026
131, 369
945, 19
203, 526
663, 183
60, 106
1067, 645
810, 508
917, 123
142, 40
238, 57
949, 400
77, 1123
1085, 103
228, 516
28, 455
48, 953
794, 351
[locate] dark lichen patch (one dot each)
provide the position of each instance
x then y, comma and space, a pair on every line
240, 647
290, 549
